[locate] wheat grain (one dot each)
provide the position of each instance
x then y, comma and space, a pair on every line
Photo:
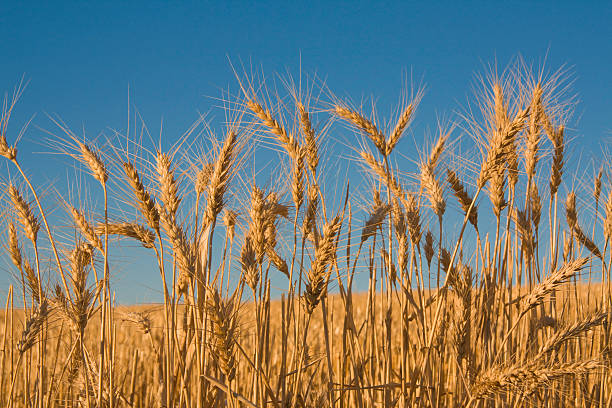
145, 201
88, 232
131, 230
30, 223
317, 275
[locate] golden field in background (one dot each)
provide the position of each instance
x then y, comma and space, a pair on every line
138, 363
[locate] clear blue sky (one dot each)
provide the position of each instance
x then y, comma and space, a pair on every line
80, 57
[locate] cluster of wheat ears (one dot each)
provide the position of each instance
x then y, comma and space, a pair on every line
470, 301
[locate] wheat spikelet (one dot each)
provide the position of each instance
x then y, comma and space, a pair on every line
144, 199
34, 285
203, 178
270, 232
14, 249
183, 252
401, 234
434, 190
278, 262
442, 332
535, 206
33, 327
524, 227
380, 171
571, 331
498, 147
429, 248
312, 150
445, 259
94, 162
532, 136
248, 260
586, 241
597, 186
259, 218
309, 225
376, 196
364, 124
78, 314
220, 178
462, 285
388, 264
80, 257
567, 245
553, 281
75, 364
223, 315
571, 215
436, 151
496, 191
317, 275
229, 220
556, 171
7, 151
462, 196
142, 320
30, 223
500, 106
402, 123
377, 216
413, 218
526, 379
275, 207
526, 233
287, 140
429, 181
572, 221
64, 307
131, 230
297, 182
167, 183
545, 321
88, 232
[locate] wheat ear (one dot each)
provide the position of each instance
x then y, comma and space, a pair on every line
144, 199
317, 275
131, 230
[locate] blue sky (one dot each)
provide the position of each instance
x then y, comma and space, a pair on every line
80, 58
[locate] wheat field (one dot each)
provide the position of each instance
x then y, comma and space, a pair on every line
473, 274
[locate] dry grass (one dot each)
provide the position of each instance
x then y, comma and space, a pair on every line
470, 301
